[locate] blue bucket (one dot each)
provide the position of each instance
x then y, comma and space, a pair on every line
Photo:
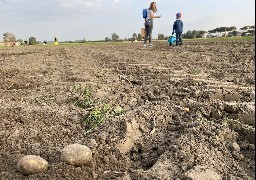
172, 39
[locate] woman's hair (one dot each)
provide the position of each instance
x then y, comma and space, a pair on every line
152, 7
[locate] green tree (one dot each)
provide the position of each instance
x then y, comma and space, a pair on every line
195, 33
252, 32
160, 36
134, 35
252, 27
115, 37
234, 33
32, 41
248, 30
188, 35
245, 28
139, 37
9, 37
21, 41
232, 28
201, 34
83, 41
166, 38
107, 39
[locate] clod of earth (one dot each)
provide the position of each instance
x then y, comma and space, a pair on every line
248, 117
32, 164
202, 173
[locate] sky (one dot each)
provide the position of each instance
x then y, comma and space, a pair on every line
71, 20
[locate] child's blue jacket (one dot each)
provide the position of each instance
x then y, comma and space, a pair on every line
178, 26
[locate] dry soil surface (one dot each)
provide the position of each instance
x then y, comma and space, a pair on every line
170, 112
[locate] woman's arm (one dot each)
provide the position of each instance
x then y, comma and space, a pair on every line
153, 16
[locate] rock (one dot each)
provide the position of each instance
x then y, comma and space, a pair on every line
235, 147
32, 164
251, 147
76, 154
217, 114
103, 137
236, 155
93, 143
126, 177
202, 173
244, 145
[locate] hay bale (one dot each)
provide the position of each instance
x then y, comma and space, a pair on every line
32, 164
76, 154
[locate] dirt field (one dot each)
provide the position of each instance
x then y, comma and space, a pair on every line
172, 112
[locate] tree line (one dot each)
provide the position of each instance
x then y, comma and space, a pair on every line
232, 31
10, 37
190, 34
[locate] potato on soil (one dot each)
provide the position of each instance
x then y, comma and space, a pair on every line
76, 154
32, 164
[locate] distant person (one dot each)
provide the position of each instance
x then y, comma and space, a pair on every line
149, 23
45, 42
178, 29
56, 41
25, 42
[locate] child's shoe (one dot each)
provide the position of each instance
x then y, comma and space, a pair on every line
151, 45
144, 45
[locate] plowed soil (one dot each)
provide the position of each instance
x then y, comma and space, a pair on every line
186, 110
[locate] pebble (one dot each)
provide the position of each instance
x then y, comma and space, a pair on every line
235, 147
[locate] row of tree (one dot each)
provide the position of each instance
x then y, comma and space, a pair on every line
246, 30
10, 37
231, 31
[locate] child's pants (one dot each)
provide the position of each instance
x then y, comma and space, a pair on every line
178, 38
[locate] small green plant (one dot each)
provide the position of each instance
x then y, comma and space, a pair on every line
94, 119
84, 100
97, 112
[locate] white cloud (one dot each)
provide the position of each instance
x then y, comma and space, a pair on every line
87, 4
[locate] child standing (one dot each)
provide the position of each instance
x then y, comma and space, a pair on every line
178, 28
56, 41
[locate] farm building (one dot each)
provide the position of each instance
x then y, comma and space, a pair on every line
10, 43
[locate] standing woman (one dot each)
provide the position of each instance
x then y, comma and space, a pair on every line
149, 24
